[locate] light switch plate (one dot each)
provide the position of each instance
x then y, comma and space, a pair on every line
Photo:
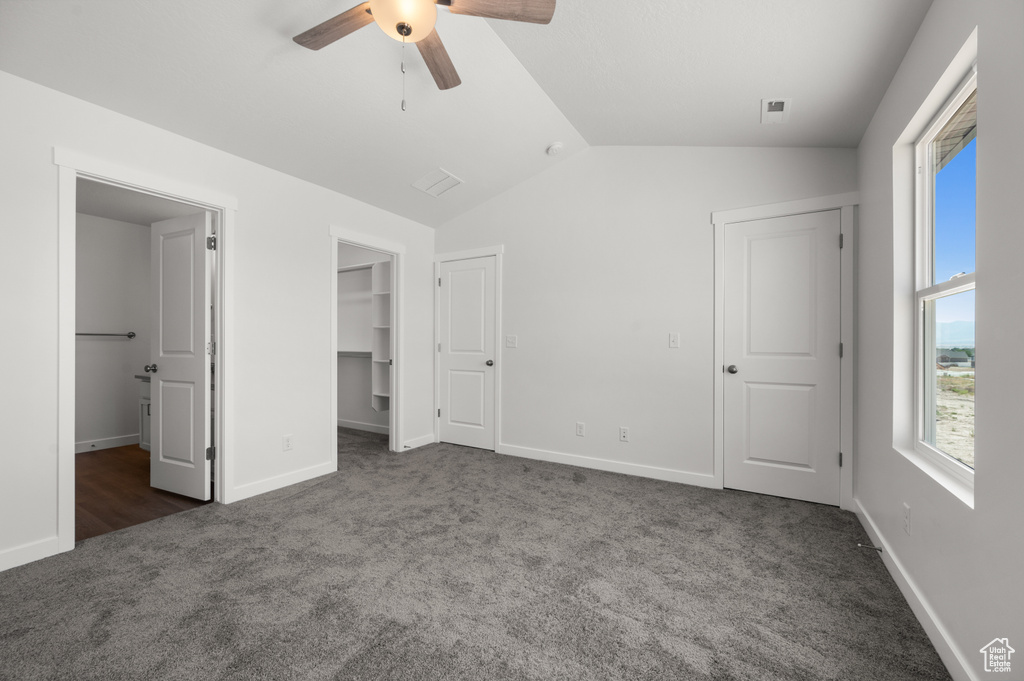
511, 341
673, 340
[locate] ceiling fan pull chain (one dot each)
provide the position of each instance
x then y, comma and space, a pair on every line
403, 73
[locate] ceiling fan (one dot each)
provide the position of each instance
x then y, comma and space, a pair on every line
413, 21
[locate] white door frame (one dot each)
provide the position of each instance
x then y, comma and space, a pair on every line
396, 250
846, 204
497, 251
73, 165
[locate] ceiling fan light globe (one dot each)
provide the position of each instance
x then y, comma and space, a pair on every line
419, 15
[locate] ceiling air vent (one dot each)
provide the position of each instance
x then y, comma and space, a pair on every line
775, 110
437, 182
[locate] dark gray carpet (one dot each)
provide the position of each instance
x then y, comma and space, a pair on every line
452, 563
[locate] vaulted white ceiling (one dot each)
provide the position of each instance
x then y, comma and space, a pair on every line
604, 72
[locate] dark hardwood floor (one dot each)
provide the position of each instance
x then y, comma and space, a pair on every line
112, 492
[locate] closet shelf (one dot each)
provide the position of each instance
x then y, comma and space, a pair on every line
355, 353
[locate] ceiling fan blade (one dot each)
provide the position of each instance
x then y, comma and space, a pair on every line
533, 11
336, 28
438, 61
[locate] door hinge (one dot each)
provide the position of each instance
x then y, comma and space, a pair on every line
439, 281
211, 243
439, 347
840, 351
211, 348
840, 240
840, 459
391, 362
211, 453
438, 413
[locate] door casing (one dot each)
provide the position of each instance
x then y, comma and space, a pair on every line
396, 441
73, 165
846, 204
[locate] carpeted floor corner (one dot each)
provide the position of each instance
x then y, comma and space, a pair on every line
454, 563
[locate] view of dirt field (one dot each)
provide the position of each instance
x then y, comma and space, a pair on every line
954, 414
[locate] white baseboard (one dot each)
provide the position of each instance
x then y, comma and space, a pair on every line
239, 492
359, 425
27, 553
955, 663
420, 441
106, 443
668, 474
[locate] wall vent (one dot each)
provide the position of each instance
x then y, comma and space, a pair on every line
437, 182
775, 110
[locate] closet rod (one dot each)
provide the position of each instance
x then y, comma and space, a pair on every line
130, 334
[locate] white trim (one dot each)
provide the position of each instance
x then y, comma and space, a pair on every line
845, 204
252, 489
718, 436
359, 425
497, 251
106, 443
470, 253
847, 363
71, 166
775, 210
396, 250
224, 334
67, 263
950, 655
364, 240
421, 441
141, 181
30, 552
639, 470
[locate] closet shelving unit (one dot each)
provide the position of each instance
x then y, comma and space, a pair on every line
380, 293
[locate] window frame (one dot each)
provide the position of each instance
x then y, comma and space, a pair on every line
925, 291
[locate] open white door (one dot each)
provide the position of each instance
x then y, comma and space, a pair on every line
782, 356
467, 352
180, 390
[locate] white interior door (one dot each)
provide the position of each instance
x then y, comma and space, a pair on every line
180, 390
782, 334
467, 352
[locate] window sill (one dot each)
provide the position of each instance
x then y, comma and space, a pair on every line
953, 484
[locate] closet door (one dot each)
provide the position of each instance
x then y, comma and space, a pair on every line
467, 352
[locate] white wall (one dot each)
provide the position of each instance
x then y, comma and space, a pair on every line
961, 567
605, 255
355, 319
112, 284
283, 280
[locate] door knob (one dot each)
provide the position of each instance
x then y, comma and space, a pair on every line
490, 362
150, 368
732, 369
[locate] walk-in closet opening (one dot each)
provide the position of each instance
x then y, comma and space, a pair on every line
365, 339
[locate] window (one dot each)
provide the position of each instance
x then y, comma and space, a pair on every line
945, 274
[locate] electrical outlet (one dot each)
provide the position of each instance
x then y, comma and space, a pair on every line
623, 434
906, 518
287, 442
581, 429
